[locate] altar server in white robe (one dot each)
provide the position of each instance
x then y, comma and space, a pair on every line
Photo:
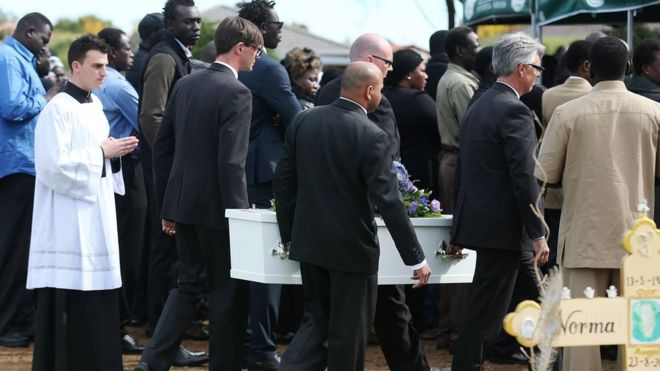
74, 256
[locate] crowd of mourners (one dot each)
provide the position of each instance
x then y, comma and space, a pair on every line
114, 180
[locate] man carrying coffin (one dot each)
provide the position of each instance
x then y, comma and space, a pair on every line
324, 191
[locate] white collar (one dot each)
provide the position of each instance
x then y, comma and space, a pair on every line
228, 66
578, 78
185, 49
512, 88
358, 104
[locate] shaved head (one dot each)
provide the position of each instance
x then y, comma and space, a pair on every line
368, 44
361, 82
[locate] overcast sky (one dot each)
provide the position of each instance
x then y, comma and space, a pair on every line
401, 21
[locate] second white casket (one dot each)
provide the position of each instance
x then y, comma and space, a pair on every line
255, 254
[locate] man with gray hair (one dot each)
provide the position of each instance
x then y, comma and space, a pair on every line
496, 165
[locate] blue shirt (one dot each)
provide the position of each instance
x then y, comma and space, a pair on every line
120, 104
21, 100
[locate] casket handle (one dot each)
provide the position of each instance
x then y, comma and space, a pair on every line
282, 250
441, 252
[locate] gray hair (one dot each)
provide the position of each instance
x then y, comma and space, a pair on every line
513, 49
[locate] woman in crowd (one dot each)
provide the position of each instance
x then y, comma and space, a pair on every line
303, 66
416, 116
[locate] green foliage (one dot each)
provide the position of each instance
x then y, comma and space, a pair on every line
640, 32
85, 24
207, 35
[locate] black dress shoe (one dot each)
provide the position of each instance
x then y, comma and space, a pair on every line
130, 345
184, 358
516, 358
14, 340
268, 364
142, 366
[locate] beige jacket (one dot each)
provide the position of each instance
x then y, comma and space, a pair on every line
603, 147
572, 88
455, 89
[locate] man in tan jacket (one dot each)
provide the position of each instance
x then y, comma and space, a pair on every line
577, 85
603, 149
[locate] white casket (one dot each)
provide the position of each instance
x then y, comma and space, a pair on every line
254, 239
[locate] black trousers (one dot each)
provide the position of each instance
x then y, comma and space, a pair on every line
526, 289
16, 303
204, 265
131, 220
77, 331
492, 287
339, 308
397, 336
162, 260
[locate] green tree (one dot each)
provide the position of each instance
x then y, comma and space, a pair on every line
640, 32
207, 35
85, 24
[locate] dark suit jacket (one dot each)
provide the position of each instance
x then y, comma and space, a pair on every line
495, 175
200, 148
417, 120
383, 116
334, 161
273, 108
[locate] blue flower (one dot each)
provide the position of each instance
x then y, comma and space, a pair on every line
412, 208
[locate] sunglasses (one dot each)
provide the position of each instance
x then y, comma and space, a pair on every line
536, 67
387, 62
279, 25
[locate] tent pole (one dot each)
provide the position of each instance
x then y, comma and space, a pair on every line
629, 29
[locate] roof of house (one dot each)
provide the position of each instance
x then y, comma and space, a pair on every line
330, 52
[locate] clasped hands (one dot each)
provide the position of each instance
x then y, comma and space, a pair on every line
119, 147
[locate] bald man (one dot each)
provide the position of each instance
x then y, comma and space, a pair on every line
378, 51
393, 321
324, 192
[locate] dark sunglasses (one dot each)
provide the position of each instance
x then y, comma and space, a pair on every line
279, 25
387, 62
536, 67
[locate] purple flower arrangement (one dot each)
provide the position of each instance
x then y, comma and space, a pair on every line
417, 201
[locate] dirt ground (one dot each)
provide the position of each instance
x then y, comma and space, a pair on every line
20, 359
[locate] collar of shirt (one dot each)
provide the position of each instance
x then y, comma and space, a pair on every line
358, 104
578, 78
228, 66
114, 73
459, 69
77, 93
512, 88
185, 49
22, 50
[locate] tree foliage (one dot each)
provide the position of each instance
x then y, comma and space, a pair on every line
85, 24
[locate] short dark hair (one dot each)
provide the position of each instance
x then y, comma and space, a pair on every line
111, 36
645, 53
80, 46
483, 60
170, 8
34, 19
233, 30
255, 11
457, 36
609, 57
437, 42
577, 53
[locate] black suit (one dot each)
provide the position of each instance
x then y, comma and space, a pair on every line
199, 167
495, 186
383, 116
324, 191
393, 320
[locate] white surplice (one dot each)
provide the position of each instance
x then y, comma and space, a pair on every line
74, 243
